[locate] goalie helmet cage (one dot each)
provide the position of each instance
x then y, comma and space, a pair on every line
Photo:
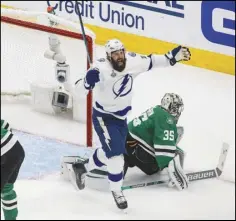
13, 17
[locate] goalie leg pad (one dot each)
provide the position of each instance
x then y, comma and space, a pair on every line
177, 174
66, 165
180, 132
181, 154
73, 169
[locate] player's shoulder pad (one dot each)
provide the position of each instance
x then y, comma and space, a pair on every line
131, 54
101, 60
101, 64
135, 55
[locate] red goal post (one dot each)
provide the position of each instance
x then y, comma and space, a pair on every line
66, 28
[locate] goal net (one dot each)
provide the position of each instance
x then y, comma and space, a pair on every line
24, 39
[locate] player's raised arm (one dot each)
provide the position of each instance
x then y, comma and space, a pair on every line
178, 54
148, 62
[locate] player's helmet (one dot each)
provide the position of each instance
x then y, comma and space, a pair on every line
113, 45
173, 103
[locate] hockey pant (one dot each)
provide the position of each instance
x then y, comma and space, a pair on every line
112, 134
10, 164
137, 156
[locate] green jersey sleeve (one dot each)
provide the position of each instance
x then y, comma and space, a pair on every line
8, 140
141, 128
5, 125
156, 130
164, 139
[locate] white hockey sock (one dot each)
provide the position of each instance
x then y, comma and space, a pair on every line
115, 167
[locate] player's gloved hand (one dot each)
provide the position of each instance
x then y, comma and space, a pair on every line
91, 78
177, 176
178, 54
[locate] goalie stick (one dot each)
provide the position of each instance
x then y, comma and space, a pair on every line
194, 176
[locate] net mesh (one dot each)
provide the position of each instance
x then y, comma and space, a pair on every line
23, 50
24, 39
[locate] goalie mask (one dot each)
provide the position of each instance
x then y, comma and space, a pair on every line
173, 103
116, 54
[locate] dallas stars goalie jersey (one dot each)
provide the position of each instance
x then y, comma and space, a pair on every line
7, 138
156, 130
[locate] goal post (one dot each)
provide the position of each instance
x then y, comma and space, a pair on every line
24, 38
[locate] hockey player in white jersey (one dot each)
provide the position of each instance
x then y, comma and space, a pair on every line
111, 79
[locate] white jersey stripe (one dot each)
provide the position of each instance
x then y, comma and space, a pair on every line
165, 154
8, 145
167, 147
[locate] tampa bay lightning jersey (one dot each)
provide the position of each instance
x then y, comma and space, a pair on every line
113, 93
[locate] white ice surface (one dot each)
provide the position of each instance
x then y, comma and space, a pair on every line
208, 119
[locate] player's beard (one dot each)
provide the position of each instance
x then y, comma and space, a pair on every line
117, 66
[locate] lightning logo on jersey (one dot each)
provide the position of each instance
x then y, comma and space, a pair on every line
105, 131
123, 86
113, 92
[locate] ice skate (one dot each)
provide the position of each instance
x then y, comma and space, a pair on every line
120, 200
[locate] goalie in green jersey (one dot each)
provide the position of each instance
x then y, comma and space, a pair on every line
152, 141
151, 145
12, 156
